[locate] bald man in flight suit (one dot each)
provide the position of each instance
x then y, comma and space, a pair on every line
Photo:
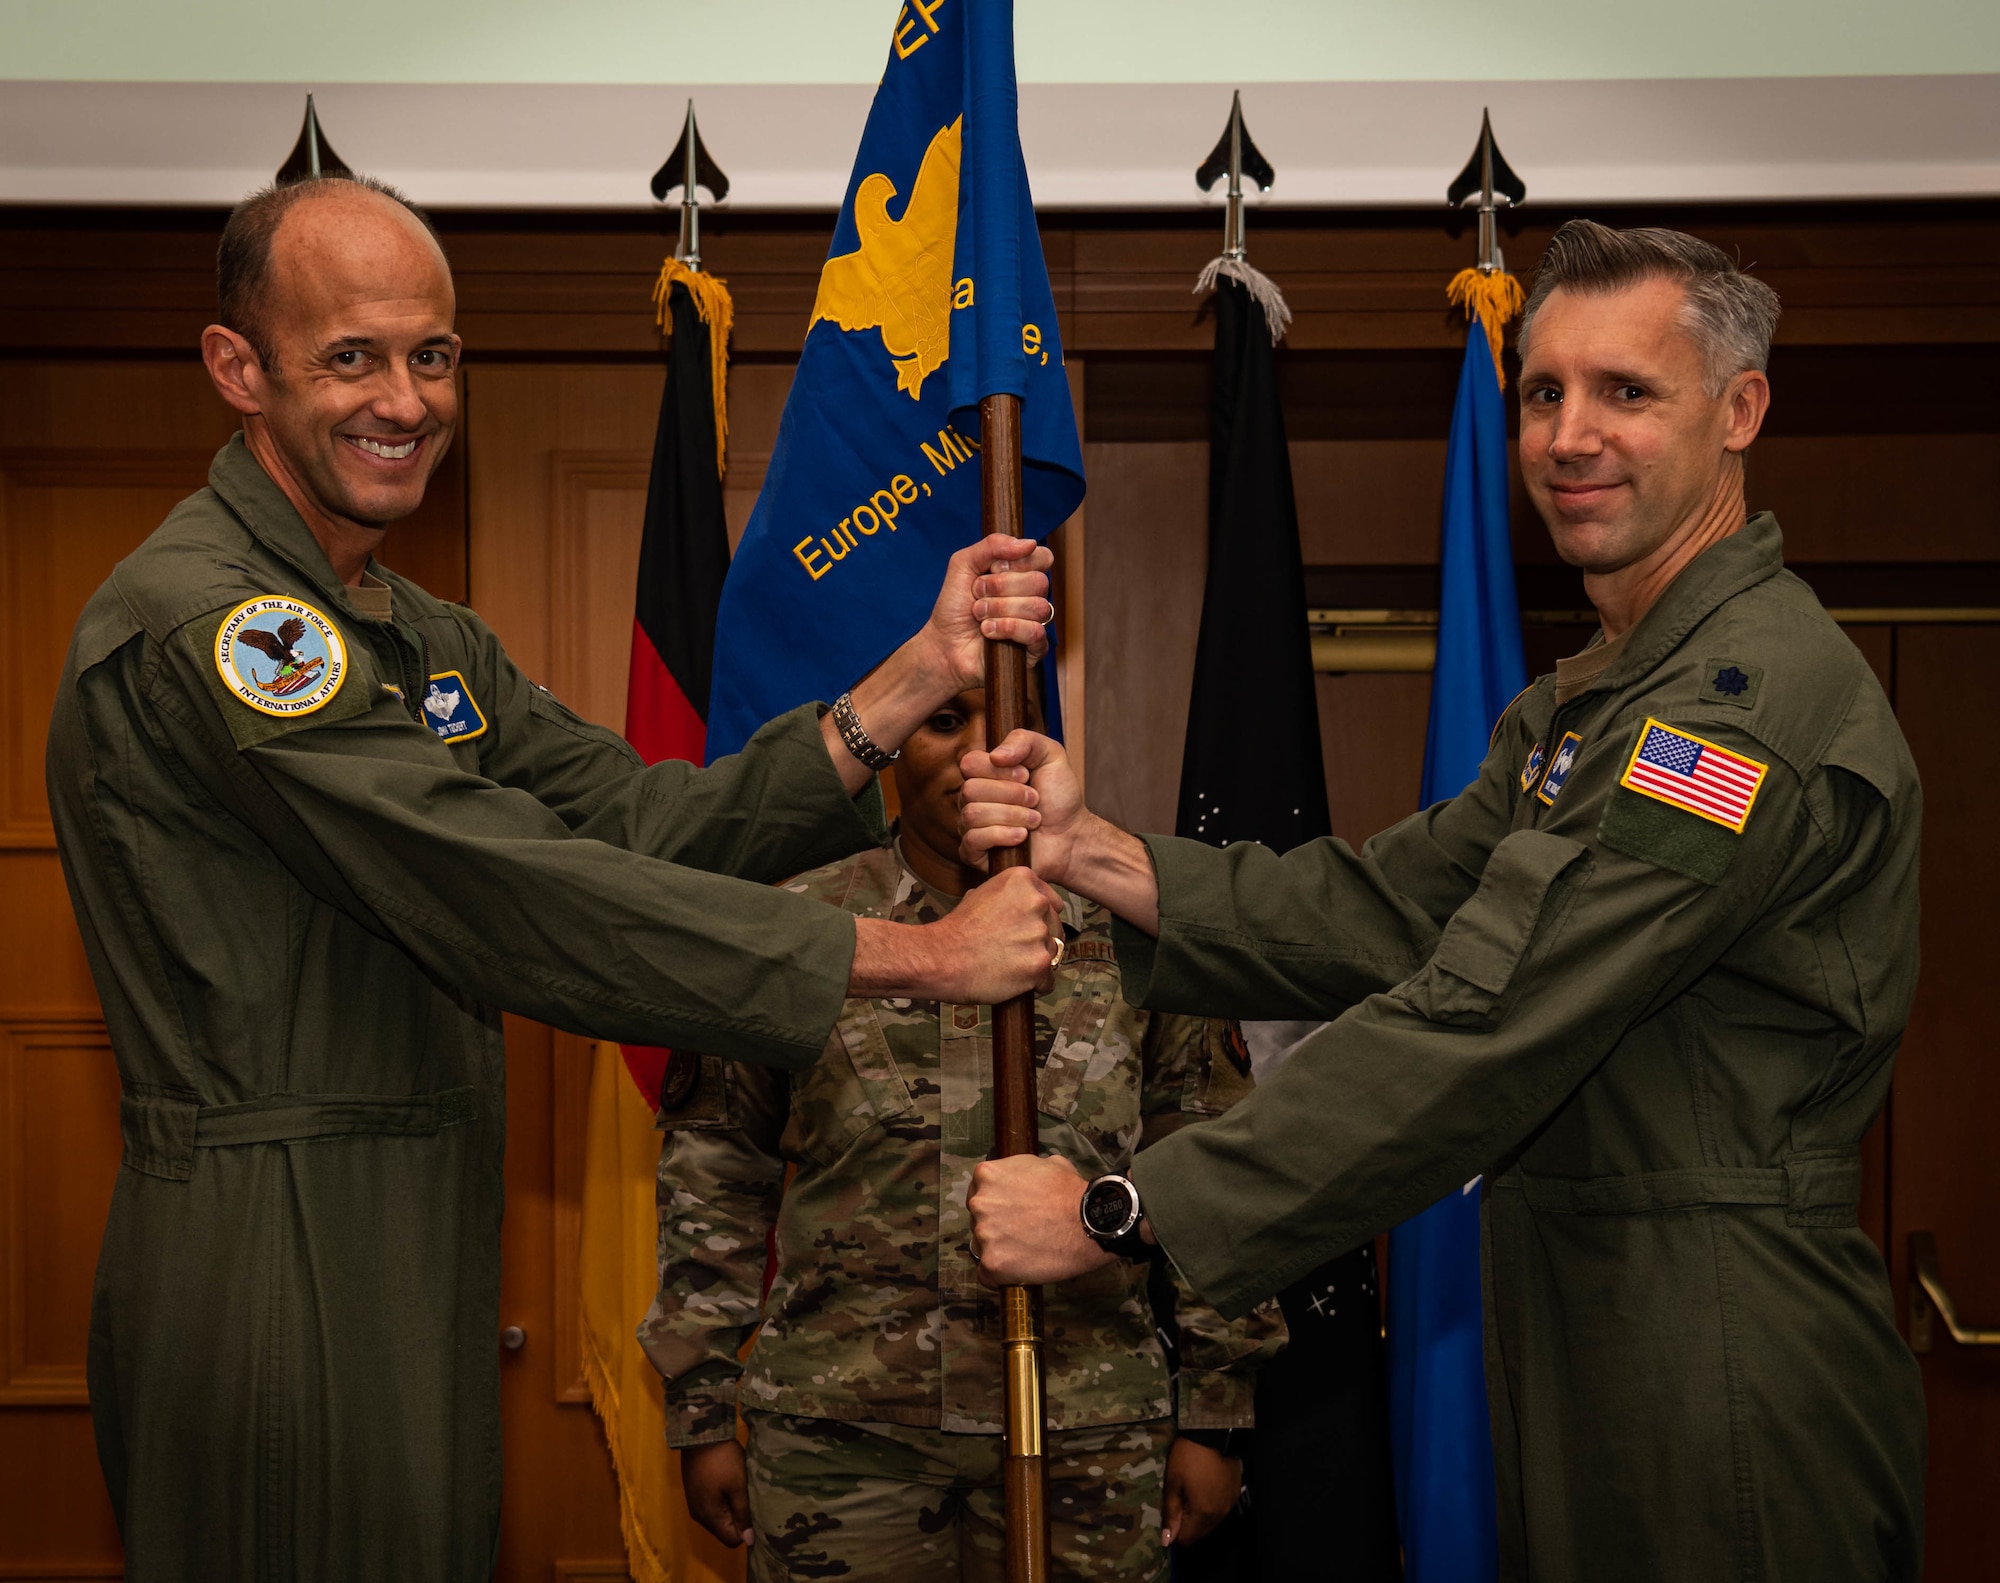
320, 832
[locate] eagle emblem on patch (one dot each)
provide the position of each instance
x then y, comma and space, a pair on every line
1692, 773
280, 656
450, 709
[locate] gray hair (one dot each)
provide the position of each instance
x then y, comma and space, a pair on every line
243, 259
1728, 313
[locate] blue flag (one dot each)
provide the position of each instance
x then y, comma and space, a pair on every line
933, 295
1437, 1373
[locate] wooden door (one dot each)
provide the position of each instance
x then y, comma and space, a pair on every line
92, 456
1942, 1179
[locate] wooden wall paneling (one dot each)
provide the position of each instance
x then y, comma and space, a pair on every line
757, 393
599, 504
1880, 497
59, 1154
93, 454
1947, 1088
1145, 560
1371, 736
522, 417
70, 514
580, 284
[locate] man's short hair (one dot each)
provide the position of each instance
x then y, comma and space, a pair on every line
243, 260
1729, 313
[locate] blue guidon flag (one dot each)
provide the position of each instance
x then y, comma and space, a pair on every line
933, 295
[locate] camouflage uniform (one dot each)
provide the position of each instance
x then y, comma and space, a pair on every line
875, 1314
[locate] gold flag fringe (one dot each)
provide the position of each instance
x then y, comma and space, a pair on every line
713, 307
1492, 298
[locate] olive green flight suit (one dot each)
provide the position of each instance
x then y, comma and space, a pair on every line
1659, 1039
303, 931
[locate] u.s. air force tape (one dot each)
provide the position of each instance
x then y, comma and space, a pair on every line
280, 656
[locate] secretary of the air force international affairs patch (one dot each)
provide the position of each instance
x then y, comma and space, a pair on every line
280, 656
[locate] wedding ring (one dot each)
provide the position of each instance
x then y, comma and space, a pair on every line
1056, 960
1051, 618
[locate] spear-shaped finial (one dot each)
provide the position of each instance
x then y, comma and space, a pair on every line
1235, 156
312, 156
688, 167
1487, 176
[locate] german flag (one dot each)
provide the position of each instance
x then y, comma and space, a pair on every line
684, 555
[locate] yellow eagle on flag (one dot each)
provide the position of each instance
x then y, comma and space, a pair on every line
898, 280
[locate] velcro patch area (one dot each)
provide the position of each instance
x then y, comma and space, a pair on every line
1667, 837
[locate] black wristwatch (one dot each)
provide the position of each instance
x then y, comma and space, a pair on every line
1111, 1214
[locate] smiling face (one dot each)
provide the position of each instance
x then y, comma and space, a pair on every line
1623, 448
360, 403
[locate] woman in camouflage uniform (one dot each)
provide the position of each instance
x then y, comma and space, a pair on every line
872, 1394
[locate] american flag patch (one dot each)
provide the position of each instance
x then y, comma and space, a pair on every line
1687, 772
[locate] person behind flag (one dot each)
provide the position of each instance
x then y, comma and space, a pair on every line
320, 832
873, 1390
1647, 975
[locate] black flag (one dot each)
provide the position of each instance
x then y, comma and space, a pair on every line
1318, 1472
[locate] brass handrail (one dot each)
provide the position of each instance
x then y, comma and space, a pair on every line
1405, 641
1928, 1297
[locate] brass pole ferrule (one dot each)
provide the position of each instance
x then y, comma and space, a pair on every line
1023, 1348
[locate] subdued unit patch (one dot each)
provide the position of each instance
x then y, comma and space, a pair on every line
698, 1105
1730, 682
1667, 837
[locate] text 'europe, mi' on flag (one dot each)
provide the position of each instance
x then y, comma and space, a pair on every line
1692, 773
934, 294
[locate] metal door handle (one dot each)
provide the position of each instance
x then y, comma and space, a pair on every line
1928, 1297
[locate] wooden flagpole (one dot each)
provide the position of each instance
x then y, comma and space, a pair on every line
1014, 1127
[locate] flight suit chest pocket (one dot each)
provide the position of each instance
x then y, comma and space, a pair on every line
854, 1087
1089, 1077
1524, 893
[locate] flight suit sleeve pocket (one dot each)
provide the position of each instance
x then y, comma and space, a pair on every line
1526, 884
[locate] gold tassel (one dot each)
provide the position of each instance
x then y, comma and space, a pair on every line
1492, 298
713, 307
